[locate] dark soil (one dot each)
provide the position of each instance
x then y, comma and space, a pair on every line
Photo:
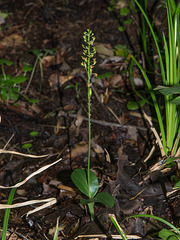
121, 140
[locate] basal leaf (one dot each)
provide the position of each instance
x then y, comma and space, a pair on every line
87, 201
105, 198
80, 179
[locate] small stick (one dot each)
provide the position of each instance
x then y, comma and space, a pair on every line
99, 122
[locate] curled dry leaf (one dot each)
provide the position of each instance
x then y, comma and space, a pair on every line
56, 79
132, 133
78, 150
104, 51
13, 40
51, 60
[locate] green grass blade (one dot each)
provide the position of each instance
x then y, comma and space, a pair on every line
118, 227
155, 40
154, 102
7, 212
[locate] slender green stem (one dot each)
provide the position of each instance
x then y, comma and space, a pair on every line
32, 74
4, 74
89, 62
89, 112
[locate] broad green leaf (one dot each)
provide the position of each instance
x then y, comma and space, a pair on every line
9, 83
7, 62
80, 179
105, 199
169, 90
4, 94
27, 68
87, 201
176, 100
124, 11
13, 95
104, 75
168, 235
135, 105
19, 79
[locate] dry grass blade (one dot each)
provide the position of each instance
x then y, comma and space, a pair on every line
99, 236
155, 134
22, 154
32, 175
50, 202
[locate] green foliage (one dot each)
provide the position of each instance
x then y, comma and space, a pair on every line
118, 227
9, 85
34, 134
7, 213
135, 105
40, 54
170, 73
27, 146
84, 179
77, 88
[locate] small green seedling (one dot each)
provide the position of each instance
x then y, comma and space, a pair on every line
34, 134
77, 88
85, 179
27, 146
9, 86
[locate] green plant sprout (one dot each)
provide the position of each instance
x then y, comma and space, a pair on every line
27, 146
170, 72
118, 227
85, 179
77, 88
9, 86
7, 213
34, 134
40, 54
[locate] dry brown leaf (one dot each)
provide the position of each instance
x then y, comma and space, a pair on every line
117, 80
132, 133
78, 150
56, 79
13, 40
104, 51
51, 60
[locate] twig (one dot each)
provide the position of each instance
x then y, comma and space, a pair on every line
99, 122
